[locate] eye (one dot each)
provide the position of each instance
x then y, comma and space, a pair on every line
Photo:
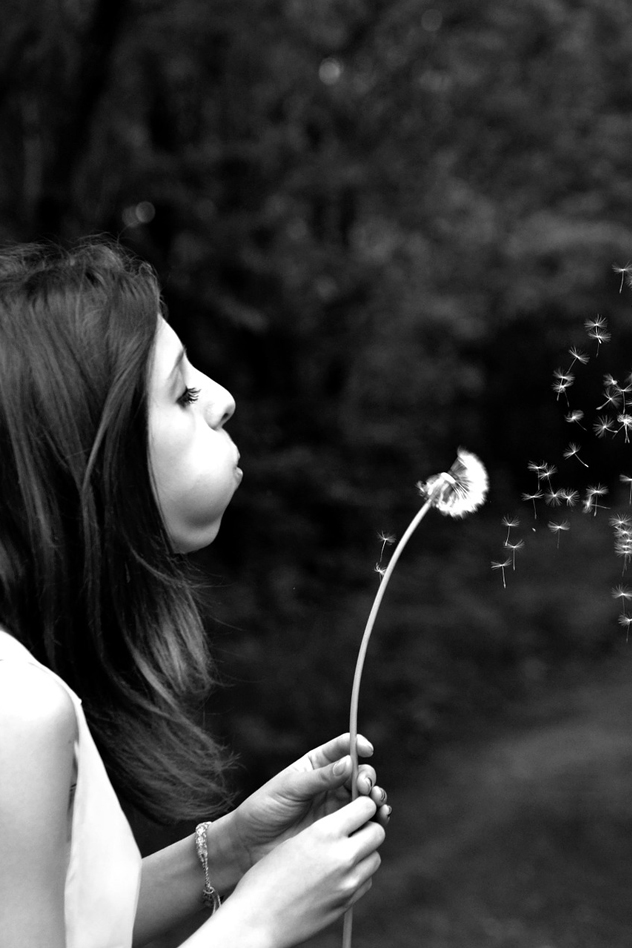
188, 396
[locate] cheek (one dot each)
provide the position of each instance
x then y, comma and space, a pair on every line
193, 483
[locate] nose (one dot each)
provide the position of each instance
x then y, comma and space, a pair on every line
220, 405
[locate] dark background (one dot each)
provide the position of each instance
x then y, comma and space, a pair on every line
381, 225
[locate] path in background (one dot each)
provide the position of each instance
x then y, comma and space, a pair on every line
521, 838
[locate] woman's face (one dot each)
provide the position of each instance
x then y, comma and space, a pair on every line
193, 461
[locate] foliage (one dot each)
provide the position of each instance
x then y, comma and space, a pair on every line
380, 223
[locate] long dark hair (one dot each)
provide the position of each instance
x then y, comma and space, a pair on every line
88, 579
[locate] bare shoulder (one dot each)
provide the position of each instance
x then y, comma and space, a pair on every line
38, 728
34, 708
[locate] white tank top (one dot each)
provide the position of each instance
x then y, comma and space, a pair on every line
103, 875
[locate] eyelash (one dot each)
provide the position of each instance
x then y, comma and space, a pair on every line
188, 396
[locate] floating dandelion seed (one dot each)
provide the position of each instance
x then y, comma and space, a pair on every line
621, 592
623, 548
502, 567
513, 547
572, 451
624, 271
627, 480
564, 380
570, 497
626, 622
578, 356
455, 493
386, 539
590, 503
575, 417
533, 498
603, 425
553, 498
380, 570
557, 528
626, 423
510, 523
596, 329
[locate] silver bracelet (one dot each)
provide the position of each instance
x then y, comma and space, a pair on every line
210, 895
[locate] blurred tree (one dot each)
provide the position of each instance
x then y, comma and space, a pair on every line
381, 223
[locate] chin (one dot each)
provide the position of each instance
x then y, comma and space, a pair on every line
191, 542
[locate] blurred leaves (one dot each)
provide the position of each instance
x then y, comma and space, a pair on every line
379, 223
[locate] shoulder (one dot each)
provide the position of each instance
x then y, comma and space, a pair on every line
34, 707
38, 728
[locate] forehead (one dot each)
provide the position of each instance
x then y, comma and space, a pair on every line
168, 352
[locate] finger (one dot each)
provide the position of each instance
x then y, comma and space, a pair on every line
335, 749
351, 817
383, 815
378, 795
366, 780
367, 840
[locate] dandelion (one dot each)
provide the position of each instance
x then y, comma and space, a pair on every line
553, 498
603, 425
533, 498
538, 466
570, 497
596, 329
626, 622
627, 480
502, 566
557, 528
462, 490
590, 503
572, 451
621, 592
380, 570
626, 423
578, 356
623, 548
574, 418
613, 398
620, 522
518, 545
455, 493
386, 539
624, 271
563, 381
510, 523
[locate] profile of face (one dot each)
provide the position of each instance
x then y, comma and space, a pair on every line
193, 461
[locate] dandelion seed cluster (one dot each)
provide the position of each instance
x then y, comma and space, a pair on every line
613, 419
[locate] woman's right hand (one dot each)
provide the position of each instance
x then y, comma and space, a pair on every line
308, 881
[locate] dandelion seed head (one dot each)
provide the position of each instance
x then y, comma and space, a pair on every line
462, 489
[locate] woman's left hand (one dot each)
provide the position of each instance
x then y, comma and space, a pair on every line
314, 786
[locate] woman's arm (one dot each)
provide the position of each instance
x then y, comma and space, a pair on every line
38, 728
298, 797
172, 880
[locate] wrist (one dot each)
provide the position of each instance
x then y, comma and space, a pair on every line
228, 859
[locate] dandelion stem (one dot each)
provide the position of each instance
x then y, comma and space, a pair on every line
435, 492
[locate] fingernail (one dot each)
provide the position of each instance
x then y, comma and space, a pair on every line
341, 765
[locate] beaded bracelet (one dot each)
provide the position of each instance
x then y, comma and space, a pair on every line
210, 895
